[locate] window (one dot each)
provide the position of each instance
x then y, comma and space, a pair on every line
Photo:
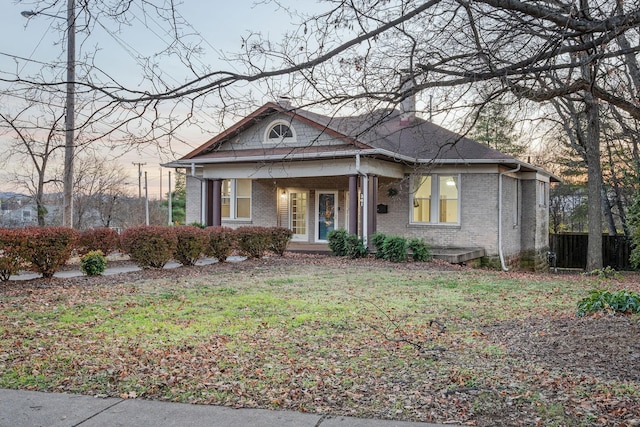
236, 199
543, 193
280, 131
435, 199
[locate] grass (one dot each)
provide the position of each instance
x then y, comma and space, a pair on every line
321, 338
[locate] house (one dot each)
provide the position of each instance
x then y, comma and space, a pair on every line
387, 171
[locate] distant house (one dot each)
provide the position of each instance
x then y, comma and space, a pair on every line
387, 171
17, 210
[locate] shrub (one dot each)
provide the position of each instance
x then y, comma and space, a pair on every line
199, 225
377, 240
338, 242
621, 301
93, 263
221, 242
419, 249
280, 238
48, 248
252, 241
12, 247
355, 247
149, 246
190, 245
102, 239
395, 249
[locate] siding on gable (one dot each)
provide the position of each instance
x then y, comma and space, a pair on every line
254, 136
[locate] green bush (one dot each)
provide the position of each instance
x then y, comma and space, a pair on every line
102, 239
253, 241
419, 249
93, 263
395, 249
191, 243
221, 242
377, 240
12, 251
48, 248
621, 301
279, 239
149, 246
355, 247
338, 242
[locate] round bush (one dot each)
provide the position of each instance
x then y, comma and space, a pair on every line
48, 248
103, 239
93, 263
191, 244
221, 242
149, 246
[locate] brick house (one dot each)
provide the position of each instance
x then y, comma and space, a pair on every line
387, 171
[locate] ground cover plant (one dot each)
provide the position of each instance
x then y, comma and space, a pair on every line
365, 337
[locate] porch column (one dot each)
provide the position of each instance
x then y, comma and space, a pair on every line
373, 204
209, 202
353, 204
216, 206
365, 208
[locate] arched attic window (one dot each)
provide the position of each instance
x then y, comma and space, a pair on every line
280, 131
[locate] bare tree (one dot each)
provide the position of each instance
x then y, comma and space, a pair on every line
100, 187
35, 145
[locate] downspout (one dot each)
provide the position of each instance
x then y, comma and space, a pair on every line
500, 252
365, 200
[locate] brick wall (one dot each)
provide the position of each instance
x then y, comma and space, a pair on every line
194, 200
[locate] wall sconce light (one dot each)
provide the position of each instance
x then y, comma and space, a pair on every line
283, 194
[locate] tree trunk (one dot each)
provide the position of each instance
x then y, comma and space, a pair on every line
594, 185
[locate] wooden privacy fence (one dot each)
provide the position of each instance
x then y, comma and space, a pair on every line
571, 250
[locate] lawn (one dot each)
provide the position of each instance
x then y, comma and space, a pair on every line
361, 338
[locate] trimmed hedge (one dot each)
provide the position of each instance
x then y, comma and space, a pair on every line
48, 248
191, 244
253, 241
12, 252
103, 239
149, 246
221, 242
279, 239
342, 243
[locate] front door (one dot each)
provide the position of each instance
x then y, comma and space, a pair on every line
298, 204
326, 214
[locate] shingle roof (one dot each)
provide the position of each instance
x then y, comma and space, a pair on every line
418, 139
379, 133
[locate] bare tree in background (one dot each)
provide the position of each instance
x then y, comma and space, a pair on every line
36, 142
100, 188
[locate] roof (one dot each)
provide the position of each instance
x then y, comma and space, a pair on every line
380, 133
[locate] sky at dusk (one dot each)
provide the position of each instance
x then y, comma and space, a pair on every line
27, 44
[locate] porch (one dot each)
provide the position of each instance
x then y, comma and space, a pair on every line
451, 255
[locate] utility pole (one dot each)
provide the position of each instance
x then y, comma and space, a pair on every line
169, 199
139, 178
146, 199
69, 147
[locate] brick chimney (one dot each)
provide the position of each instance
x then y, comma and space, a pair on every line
408, 103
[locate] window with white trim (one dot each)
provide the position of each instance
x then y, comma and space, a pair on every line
436, 199
236, 199
280, 131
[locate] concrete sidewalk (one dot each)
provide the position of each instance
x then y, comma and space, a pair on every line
33, 409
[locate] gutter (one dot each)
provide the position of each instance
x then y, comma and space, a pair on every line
500, 252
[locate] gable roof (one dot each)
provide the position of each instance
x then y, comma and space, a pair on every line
379, 133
